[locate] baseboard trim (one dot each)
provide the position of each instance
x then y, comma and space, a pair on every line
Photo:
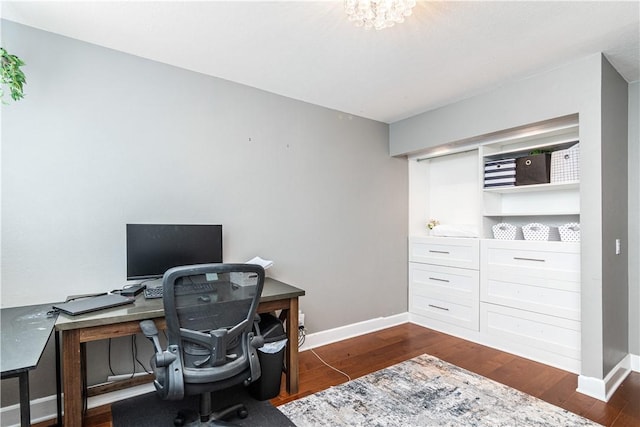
44, 409
603, 389
635, 362
330, 336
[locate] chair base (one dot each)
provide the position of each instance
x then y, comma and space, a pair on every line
193, 419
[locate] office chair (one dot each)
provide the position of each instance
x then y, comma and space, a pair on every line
210, 310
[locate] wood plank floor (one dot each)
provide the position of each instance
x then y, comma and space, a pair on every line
371, 352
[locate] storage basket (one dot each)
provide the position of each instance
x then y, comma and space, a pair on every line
504, 231
535, 231
534, 169
500, 173
570, 232
565, 164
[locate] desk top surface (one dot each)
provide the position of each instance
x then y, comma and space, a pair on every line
142, 308
25, 332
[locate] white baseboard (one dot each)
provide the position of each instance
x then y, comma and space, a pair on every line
329, 336
635, 362
44, 409
603, 389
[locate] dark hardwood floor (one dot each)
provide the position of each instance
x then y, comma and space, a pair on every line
368, 353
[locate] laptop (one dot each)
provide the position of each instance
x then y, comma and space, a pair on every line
87, 305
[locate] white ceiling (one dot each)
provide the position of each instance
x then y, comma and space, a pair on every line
444, 52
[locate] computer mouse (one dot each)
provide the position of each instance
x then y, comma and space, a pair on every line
204, 298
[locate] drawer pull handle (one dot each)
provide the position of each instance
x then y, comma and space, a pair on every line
438, 252
438, 307
438, 280
528, 259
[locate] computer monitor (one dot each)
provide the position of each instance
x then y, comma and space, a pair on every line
152, 249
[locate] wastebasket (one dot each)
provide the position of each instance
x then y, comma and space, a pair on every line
271, 357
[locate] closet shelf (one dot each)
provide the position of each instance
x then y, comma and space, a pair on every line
571, 185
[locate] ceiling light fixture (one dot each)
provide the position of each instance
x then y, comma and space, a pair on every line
378, 14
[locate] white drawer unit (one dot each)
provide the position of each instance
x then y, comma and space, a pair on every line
543, 277
550, 339
447, 251
444, 293
533, 258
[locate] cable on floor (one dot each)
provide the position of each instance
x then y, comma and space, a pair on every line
335, 369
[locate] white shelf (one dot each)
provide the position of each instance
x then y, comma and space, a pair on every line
523, 151
571, 185
530, 213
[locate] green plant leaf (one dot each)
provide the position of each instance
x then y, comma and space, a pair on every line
11, 75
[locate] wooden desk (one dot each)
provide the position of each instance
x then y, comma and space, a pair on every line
124, 321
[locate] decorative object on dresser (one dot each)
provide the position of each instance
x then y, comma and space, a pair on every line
426, 391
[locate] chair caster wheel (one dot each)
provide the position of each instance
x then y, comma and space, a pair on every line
242, 413
185, 418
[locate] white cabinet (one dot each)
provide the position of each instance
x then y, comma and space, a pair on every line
530, 299
521, 296
444, 280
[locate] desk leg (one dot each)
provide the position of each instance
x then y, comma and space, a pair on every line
72, 378
292, 347
58, 381
25, 402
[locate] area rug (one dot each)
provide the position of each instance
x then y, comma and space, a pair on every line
426, 391
148, 410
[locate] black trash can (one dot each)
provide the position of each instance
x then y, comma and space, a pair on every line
271, 358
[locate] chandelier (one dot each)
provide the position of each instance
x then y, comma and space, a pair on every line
378, 14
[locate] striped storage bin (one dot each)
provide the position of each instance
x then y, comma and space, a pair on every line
500, 173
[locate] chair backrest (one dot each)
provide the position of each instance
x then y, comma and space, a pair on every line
210, 310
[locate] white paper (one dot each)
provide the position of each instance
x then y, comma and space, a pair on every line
261, 262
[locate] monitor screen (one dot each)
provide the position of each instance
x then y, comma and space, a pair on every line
152, 249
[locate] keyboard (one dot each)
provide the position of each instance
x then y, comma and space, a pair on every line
196, 288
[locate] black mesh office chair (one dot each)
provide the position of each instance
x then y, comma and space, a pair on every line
210, 310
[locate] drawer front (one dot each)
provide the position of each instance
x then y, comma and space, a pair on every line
451, 252
532, 258
531, 331
444, 293
454, 282
542, 295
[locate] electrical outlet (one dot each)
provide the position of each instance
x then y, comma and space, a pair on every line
618, 250
300, 319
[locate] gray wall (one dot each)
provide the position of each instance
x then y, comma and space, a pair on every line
634, 218
574, 88
615, 268
103, 139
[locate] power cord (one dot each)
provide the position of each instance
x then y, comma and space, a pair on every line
335, 369
302, 335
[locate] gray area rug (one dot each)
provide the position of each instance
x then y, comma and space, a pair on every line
426, 391
148, 410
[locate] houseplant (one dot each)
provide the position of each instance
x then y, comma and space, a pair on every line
11, 75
